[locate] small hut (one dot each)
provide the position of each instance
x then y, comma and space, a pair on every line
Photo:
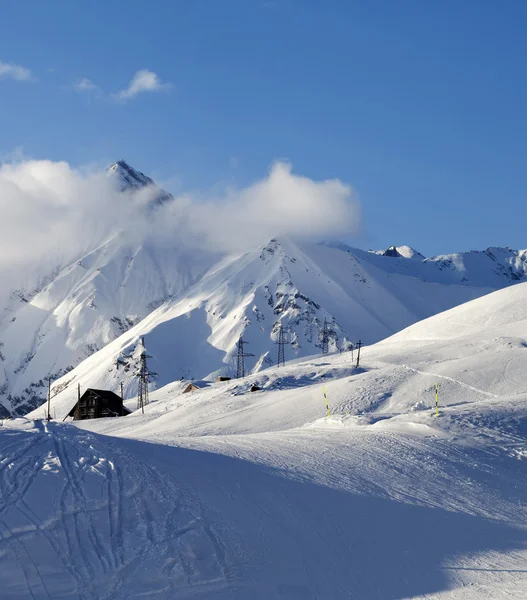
96, 404
222, 378
196, 385
190, 388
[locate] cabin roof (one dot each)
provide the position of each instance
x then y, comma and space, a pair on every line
107, 395
196, 385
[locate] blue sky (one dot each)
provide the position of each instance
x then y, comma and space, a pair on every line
420, 106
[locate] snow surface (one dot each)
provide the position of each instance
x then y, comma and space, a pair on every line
86, 306
223, 493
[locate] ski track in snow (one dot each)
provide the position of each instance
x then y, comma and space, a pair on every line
83, 523
118, 520
437, 376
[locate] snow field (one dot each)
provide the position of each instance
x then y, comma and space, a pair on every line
223, 493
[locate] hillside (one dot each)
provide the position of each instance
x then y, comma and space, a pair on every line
261, 495
476, 352
48, 330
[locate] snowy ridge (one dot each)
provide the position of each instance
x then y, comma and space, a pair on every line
399, 252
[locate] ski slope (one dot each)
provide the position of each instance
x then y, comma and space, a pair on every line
224, 493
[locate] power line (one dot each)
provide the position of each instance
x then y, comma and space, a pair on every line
240, 366
142, 387
77, 414
359, 346
49, 398
281, 346
325, 338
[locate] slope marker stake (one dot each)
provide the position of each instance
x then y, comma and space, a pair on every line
326, 401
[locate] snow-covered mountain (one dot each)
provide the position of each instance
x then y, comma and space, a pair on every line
361, 295
399, 252
192, 305
48, 330
128, 179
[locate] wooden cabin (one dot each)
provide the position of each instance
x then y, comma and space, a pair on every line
190, 388
96, 404
222, 378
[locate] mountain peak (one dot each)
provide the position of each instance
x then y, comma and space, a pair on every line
129, 179
400, 252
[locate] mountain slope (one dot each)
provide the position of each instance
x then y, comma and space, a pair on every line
194, 335
48, 330
477, 351
261, 495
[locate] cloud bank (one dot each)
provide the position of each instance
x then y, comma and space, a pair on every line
280, 204
52, 215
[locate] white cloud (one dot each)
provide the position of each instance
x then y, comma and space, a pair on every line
143, 81
15, 72
85, 86
281, 204
53, 214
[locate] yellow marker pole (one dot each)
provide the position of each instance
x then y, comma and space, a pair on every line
326, 401
437, 400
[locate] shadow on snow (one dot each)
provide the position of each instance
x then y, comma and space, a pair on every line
271, 536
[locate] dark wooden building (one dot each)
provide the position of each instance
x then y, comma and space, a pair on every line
95, 404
